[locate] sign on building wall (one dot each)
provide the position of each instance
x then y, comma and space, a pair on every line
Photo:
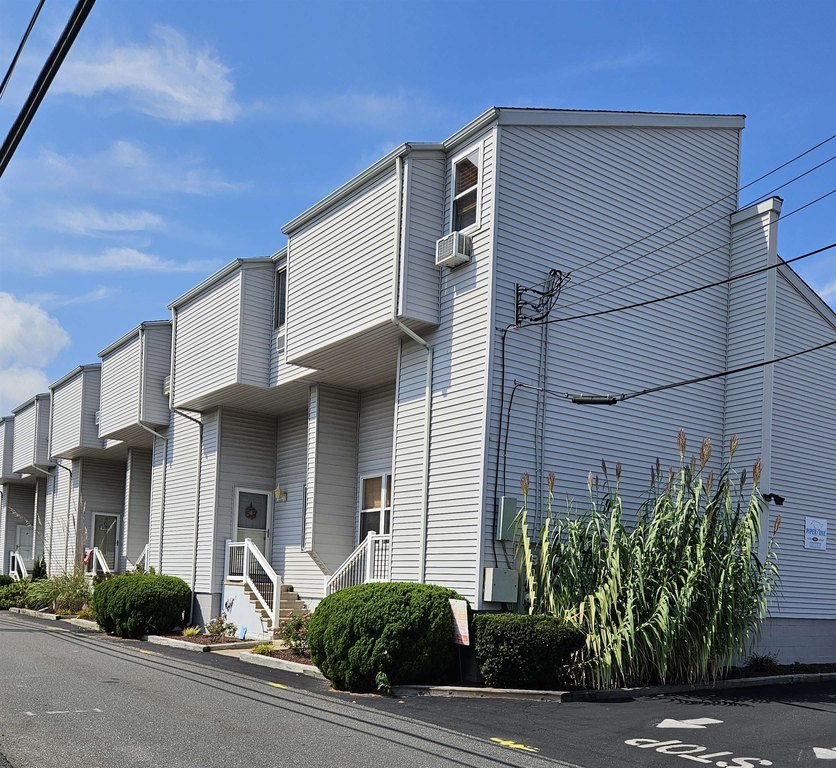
815, 533
461, 631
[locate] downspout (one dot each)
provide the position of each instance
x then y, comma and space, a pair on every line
428, 378
196, 506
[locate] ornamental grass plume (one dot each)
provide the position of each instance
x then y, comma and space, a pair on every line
671, 595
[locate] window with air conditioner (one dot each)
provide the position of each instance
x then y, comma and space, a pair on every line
465, 192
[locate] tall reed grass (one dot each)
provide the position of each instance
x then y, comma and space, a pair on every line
672, 595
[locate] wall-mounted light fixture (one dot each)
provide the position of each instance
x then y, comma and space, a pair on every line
779, 500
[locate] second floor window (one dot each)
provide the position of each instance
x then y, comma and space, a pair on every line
280, 303
465, 192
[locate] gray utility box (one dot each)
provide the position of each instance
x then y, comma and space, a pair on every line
501, 585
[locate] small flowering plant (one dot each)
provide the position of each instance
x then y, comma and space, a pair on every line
220, 626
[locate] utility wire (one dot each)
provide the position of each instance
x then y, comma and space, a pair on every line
26, 34
690, 259
692, 232
706, 207
45, 78
680, 294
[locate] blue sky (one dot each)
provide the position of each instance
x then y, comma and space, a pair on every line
181, 135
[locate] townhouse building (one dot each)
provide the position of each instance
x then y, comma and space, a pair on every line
360, 406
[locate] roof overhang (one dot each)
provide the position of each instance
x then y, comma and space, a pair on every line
223, 272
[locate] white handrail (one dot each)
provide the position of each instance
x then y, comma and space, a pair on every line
250, 550
362, 565
142, 558
17, 568
96, 563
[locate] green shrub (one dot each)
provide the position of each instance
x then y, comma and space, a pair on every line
39, 569
522, 651
13, 595
294, 633
40, 594
402, 630
191, 632
65, 593
135, 605
263, 649
219, 627
5, 580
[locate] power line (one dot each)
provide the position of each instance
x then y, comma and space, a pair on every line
690, 259
26, 34
688, 292
609, 399
709, 205
692, 232
45, 78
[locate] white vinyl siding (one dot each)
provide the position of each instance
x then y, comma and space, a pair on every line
803, 464
31, 435
408, 475
156, 522
374, 444
206, 342
137, 503
91, 401
341, 269
208, 566
256, 325
6, 447
102, 490
247, 460
157, 363
423, 224
332, 487
67, 401
62, 517
295, 566
17, 507
121, 382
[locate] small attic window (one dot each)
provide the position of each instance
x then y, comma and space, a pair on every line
280, 299
465, 192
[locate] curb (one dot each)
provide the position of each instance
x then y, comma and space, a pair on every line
85, 624
286, 666
185, 645
613, 694
40, 614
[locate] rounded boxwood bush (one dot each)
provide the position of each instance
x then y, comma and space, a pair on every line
521, 651
5, 580
371, 636
133, 605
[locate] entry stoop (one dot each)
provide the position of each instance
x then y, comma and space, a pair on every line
290, 604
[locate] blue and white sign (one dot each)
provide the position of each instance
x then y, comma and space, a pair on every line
815, 533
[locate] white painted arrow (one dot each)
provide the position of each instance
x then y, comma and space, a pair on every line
823, 753
699, 722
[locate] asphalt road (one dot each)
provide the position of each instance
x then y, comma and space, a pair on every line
71, 698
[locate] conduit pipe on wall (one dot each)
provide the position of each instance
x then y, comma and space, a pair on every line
196, 505
428, 378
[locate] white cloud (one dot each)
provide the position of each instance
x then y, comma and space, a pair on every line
123, 259
608, 64
170, 78
29, 339
127, 168
99, 293
828, 292
93, 222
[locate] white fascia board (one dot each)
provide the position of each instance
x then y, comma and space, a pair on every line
233, 266
122, 340
30, 401
808, 294
757, 209
607, 119
279, 255
72, 374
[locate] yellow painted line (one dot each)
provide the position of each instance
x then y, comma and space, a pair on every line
278, 685
511, 744
147, 653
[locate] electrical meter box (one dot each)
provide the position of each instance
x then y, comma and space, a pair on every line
501, 585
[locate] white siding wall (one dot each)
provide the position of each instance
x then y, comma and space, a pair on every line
566, 196
6, 446
256, 325
206, 343
803, 465
102, 490
67, 407
42, 431
23, 451
61, 518
41, 498
120, 387
180, 490
408, 479
17, 507
157, 361
295, 566
91, 400
207, 532
137, 503
341, 268
248, 460
156, 522
332, 487
423, 225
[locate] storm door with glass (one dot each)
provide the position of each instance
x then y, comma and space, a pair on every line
106, 536
253, 517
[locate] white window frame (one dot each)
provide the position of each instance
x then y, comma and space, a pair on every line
237, 491
476, 150
279, 331
386, 503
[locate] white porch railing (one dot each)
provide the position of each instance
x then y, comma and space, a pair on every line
17, 568
95, 564
369, 562
140, 562
245, 563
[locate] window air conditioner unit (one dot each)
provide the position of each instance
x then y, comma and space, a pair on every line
453, 250
167, 385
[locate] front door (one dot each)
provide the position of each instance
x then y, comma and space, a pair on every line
253, 517
106, 536
23, 543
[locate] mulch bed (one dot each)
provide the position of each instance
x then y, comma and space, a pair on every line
283, 653
204, 639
